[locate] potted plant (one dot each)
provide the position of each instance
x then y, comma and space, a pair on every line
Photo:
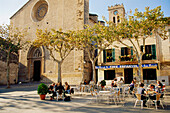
42, 90
103, 83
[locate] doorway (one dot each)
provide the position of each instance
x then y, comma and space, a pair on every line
37, 70
109, 74
149, 74
128, 75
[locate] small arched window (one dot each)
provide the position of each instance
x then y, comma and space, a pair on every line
114, 19
118, 19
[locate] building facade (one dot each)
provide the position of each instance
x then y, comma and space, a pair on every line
36, 63
120, 62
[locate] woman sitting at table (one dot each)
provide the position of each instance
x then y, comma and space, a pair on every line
51, 90
60, 89
141, 91
67, 88
152, 92
113, 84
131, 86
159, 86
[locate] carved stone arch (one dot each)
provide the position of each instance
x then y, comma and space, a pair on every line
37, 53
36, 61
32, 50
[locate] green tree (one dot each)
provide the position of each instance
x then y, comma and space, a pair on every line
138, 27
10, 42
92, 38
56, 42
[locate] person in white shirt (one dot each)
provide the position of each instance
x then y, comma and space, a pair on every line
141, 91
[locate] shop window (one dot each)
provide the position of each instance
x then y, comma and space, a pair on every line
149, 74
109, 55
126, 54
109, 74
150, 52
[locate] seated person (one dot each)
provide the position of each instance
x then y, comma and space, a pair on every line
141, 91
113, 84
121, 81
134, 80
60, 89
85, 82
159, 86
131, 86
152, 94
51, 90
67, 88
92, 83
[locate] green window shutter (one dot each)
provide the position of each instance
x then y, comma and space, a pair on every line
141, 48
122, 51
104, 56
113, 55
153, 51
131, 51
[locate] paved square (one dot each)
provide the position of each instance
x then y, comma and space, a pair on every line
26, 100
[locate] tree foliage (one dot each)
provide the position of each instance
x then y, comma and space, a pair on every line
11, 40
92, 38
56, 41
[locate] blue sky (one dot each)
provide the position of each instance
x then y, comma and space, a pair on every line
99, 7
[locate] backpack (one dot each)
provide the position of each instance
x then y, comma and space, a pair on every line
72, 91
67, 98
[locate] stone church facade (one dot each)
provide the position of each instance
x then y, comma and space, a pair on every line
36, 63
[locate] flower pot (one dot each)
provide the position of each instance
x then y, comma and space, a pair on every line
102, 87
42, 97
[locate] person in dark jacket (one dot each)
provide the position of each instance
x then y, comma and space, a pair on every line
60, 89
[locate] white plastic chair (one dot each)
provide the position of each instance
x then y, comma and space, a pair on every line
158, 95
139, 99
95, 96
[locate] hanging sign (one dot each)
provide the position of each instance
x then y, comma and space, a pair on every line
125, 66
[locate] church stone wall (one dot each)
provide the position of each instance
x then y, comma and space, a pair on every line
64, 14
13, 68
13, 73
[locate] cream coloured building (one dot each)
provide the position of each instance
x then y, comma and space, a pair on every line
121, 63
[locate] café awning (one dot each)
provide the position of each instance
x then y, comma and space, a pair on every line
125, 66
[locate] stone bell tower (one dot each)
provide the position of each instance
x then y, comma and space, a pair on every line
116, 13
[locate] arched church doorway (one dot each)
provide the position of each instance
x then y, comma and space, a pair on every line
37, 70
35, 63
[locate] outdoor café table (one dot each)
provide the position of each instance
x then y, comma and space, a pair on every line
104, 92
